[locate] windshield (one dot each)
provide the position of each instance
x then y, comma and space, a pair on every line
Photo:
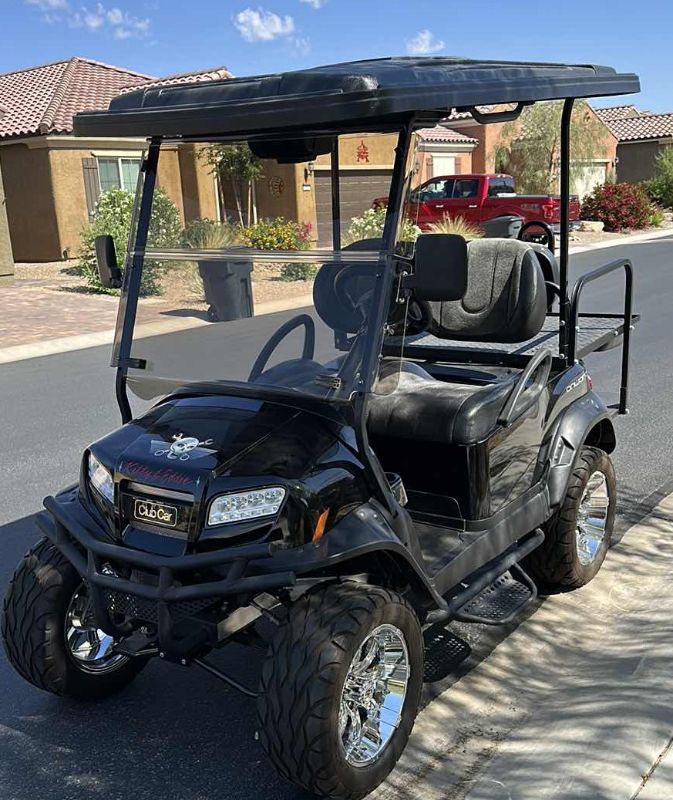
242, 281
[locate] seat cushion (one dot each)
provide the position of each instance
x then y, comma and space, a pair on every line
506, 298
411, 404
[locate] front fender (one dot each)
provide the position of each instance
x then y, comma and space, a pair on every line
585, 421
362, 534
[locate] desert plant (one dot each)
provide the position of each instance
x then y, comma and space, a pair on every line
370, 226
529, 148
619, 206
113, 215
458, 226
657, 219
206, 234
298, 272
660, 188
278, 234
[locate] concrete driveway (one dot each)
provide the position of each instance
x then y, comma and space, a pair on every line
576, 703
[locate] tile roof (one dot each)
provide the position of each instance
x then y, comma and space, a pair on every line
200, 76
644, 126
44, 99
442, 134
616, 112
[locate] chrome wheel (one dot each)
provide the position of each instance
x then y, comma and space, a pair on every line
373, 695
89, 647
592, 517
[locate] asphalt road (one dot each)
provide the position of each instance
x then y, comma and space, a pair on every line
179, 734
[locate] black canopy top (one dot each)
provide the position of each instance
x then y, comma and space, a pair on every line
360, 95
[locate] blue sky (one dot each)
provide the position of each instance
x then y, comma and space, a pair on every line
160, 37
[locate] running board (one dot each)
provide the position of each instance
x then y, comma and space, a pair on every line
483, 582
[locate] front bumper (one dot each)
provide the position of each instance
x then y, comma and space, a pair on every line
69, 527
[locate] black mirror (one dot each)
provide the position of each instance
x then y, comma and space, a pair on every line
440, 267
106, 259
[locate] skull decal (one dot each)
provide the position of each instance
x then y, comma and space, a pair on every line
182, 447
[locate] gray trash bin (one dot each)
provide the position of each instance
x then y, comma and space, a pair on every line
502, 227
227, 287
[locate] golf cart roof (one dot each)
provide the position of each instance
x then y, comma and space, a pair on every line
359, 95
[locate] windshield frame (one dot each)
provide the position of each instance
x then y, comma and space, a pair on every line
373, 334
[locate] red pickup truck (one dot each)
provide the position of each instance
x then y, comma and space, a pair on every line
479, 198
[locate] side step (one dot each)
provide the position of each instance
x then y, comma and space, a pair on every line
494, 594
501, 601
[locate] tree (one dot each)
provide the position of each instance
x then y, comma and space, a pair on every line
238, 164
530, 147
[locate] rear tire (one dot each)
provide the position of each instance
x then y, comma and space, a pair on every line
574, 550
306, 722
39, 597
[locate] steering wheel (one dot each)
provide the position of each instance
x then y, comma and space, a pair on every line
285, 330
538, 232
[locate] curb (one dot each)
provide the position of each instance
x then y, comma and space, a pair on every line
621, 240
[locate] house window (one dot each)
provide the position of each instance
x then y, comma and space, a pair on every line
118, 173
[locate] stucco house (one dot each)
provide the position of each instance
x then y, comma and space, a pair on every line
52, 179
598, 171
641, 137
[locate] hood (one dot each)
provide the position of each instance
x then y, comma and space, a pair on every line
182, 443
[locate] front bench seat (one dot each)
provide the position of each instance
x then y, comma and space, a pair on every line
505, 301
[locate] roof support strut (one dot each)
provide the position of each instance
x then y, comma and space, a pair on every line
564, 315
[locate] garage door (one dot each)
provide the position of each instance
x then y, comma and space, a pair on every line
359, 188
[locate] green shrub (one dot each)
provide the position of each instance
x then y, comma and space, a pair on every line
113, 215
657, 218
619, 206
298, 272
370, 226
277, 234
660, 188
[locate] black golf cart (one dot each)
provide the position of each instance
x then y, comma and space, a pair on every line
418, 442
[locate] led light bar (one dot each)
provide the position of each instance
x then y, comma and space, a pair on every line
246, 505
101, 479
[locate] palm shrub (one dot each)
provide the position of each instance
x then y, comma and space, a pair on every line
112, 216
619, 206
457, 226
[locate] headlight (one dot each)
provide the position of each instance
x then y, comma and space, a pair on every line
101, 479
246, 505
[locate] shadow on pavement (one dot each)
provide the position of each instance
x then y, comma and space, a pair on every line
175, 733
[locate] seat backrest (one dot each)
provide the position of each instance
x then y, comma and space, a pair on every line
506, 298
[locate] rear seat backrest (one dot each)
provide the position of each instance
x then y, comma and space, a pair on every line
505, 301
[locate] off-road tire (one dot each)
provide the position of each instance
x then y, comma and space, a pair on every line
555, 564
302, 680
33, 629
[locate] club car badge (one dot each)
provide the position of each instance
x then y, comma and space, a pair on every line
182, 448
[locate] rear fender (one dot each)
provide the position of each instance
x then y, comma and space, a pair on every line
586, 421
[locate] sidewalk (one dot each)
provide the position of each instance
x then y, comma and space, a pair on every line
575, 704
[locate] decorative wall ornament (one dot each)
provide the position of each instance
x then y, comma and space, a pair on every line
276, 186
362, 153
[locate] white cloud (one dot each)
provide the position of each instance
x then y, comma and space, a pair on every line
49, 5
262, 26
314, 3
301, 45
114, 20
424, 43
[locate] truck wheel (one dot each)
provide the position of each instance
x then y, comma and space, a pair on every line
578, 536
340, 689
49, 635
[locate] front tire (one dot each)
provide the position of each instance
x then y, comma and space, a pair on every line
330, 721
578, 536
48, 634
